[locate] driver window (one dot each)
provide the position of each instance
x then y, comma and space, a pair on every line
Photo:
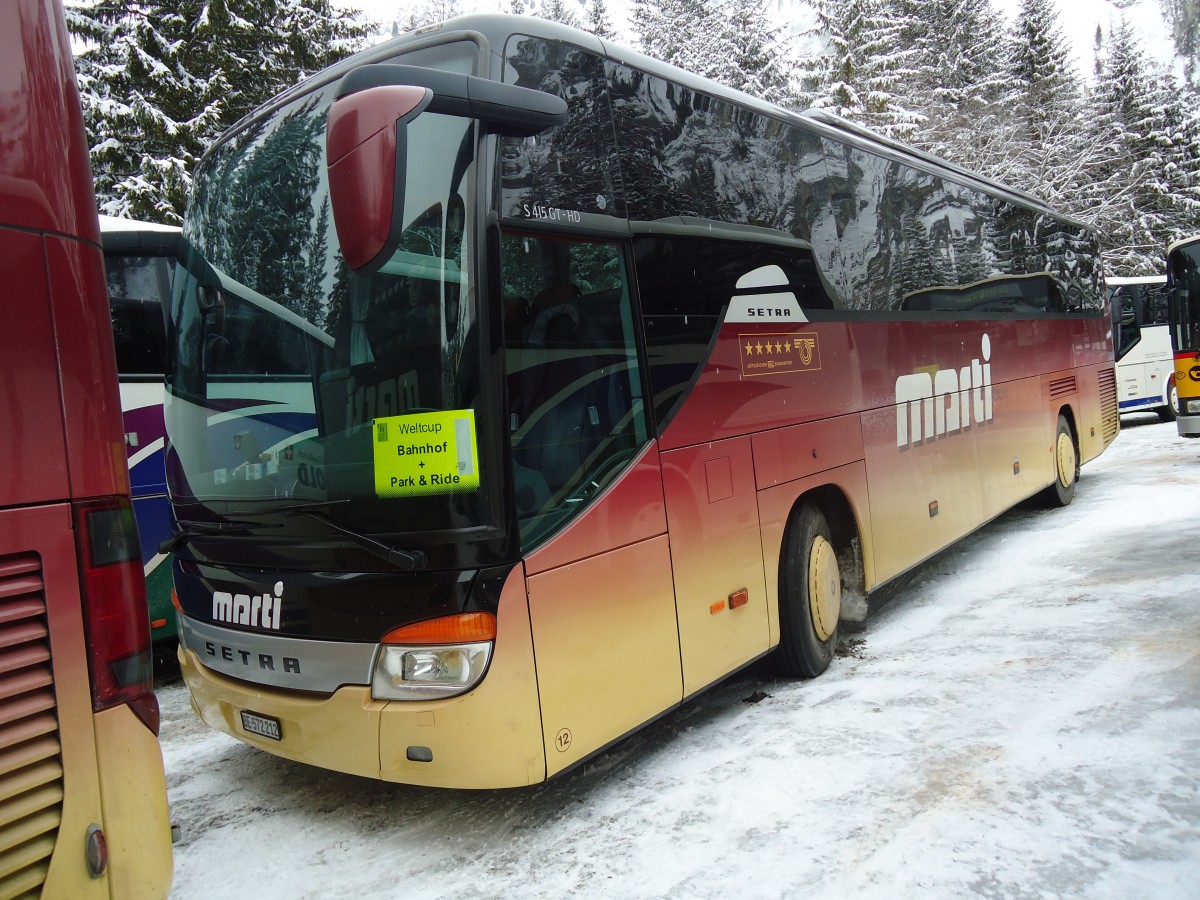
576, 411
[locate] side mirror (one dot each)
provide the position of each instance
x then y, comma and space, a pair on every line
367, 151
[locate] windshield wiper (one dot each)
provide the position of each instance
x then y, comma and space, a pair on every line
292, 509
409, 560
191, 529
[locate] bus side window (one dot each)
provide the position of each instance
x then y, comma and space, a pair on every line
138, 290
1157, 298
685, 282
574, 391
1125, 300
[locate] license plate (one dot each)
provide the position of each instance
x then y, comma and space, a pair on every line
263, 726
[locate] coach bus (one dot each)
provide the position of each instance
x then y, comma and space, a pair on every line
83, 799
139, 261
521, 387
1145, 363
1183, 292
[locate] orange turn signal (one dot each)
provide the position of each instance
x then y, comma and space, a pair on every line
739, 598
463, 628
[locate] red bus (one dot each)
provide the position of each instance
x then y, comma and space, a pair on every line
84, 808
522, 387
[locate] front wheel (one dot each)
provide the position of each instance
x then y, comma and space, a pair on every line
1170, 412
810, 596
1066, 466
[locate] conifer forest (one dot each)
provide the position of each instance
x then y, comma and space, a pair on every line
1117, 146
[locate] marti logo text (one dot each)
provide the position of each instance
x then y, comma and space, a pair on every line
932, 405
257, 610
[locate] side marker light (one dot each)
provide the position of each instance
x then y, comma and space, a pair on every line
95, 850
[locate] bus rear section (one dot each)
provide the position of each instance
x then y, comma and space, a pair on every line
139, 262
1145, 363
83, 810
514, 422
1183, 291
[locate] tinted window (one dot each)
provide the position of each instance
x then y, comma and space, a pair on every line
1017, 295
139, 288
1128, 305
913, 242
567, 175
902, 230
685, 282
690, 276
684, 153
576, 413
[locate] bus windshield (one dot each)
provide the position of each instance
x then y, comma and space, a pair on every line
297, 381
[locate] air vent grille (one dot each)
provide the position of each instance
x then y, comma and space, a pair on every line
1062, 387
1110, 417
31, 772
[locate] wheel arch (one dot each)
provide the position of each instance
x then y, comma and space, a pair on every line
1067, 411
814, 585
844, 527
840, 494
1167, 388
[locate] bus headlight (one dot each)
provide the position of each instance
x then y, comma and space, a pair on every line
434, 659
1193, 407
428, 673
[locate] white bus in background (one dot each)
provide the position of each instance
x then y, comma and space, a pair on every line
139, 262
1145, 364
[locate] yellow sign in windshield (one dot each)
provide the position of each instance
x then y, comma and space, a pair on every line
425, 453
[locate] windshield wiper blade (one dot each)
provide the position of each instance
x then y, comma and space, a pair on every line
292, 509
190, 530
409, 560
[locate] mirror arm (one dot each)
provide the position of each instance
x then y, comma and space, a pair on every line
503, 108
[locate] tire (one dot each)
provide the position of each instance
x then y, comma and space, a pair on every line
1066, 466
1170, 412
810, 596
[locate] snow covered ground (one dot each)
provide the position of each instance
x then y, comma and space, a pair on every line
1020, 719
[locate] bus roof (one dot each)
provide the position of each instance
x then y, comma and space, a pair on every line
1140, 279
1182, 242
133, 237
491, 31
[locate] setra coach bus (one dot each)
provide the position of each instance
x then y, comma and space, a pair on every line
1183, 308
83, 798
522, 387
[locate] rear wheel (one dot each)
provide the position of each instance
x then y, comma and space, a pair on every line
1066, 466
810, 595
